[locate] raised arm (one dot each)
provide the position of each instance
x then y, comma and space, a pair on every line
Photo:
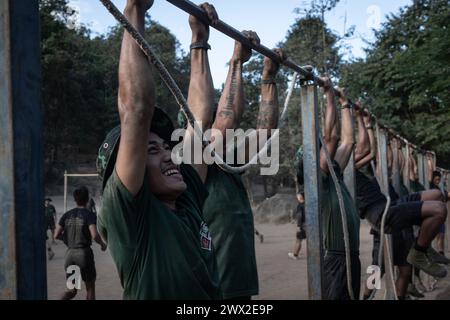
372, 144
413, 171
136, 102
401, 158
232, 102
330, 130
346, 147
390, 158
269, 108
363, 144
268, 115
201, 89
431, 167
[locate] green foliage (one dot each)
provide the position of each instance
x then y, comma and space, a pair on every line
406, 76
80, 82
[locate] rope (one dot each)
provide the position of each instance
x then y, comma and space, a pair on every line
175, 90
383, 221
344, 220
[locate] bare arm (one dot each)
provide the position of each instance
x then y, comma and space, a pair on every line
372, 144
390, 159
413, 172
201, 88
363, 145
345, 149
232, 101
401, 159
330, 130
96, 237
136, 102
268, 115
430, 167
58, 232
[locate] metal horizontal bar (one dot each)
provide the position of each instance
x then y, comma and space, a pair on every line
228, 30
307, 73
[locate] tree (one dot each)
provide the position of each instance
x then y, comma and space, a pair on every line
80, 83
405, 80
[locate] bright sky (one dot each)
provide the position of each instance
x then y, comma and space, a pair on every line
269, 18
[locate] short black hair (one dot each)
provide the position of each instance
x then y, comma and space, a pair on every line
81, 196
436, 174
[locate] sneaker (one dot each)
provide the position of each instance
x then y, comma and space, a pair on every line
420, 260
412, 290
435, 256
292, 256
419, 285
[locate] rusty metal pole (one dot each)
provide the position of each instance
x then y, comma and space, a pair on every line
382, 140
311, 132
23, 272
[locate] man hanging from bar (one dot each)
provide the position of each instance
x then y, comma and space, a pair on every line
435, 181
424, 209
152, 209
402, 241
335, 266
227, 209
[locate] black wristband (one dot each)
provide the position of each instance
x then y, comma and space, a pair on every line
369, 127
346, 106
201, 45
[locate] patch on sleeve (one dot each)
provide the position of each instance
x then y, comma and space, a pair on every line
205, 237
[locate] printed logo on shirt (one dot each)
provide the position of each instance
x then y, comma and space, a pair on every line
205, 237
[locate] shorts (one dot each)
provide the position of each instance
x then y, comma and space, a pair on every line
442, 229
301, 234
335, 276
404, 213
84, 259
401, 244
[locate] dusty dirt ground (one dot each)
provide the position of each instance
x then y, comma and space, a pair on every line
280, 277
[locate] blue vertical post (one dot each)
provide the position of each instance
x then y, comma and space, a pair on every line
8, 280
24, 117
311, 132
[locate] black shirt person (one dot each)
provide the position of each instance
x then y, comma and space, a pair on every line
77, 228
301, 233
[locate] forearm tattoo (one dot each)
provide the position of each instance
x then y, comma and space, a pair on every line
228, 111
267, 117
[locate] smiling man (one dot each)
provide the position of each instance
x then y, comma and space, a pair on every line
152, 209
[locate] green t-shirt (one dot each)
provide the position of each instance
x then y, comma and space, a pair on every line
160, 254
50, 213
229, 215
416, 186
403, 190
331, 214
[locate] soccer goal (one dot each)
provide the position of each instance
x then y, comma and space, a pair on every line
74, 175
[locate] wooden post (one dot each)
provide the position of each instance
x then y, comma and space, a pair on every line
23, 272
